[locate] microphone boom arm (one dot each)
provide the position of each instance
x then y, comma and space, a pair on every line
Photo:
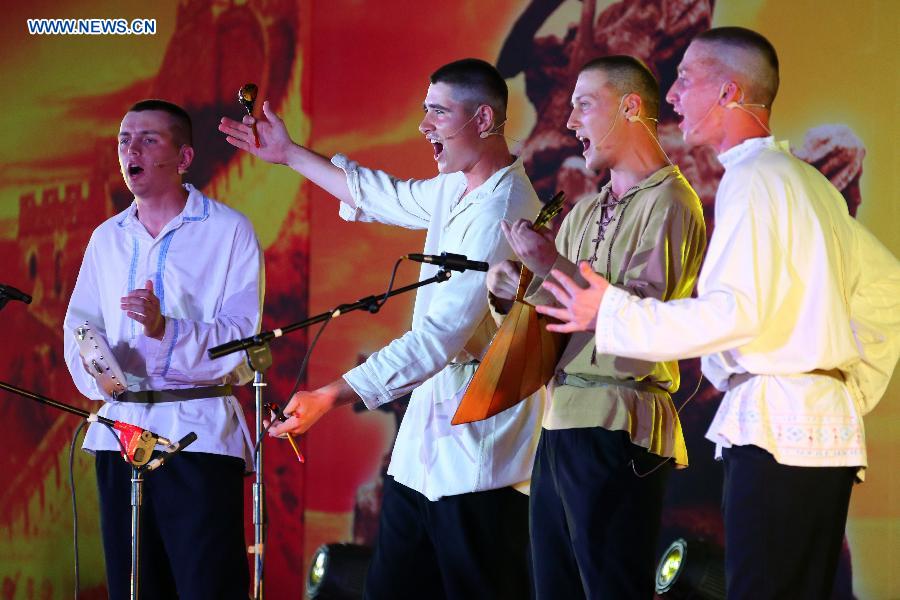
370, 303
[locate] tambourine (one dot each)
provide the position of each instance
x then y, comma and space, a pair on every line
99, 360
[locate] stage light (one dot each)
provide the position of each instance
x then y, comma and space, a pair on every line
692, 570
669, 566
338, 572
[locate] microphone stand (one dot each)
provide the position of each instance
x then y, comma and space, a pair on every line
370, 303
259, 357
138, 444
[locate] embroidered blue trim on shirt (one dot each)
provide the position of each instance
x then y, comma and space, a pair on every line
171, 347
205, 212
158, 288
132, 272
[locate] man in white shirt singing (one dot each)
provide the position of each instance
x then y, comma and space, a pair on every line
451, 523
796, 319
172, 275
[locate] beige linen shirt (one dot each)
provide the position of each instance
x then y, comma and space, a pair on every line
652, 246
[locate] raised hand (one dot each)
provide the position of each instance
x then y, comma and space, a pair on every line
275, 143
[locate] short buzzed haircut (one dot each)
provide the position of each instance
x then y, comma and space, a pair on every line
629, 75
756, 61
182, 130
476, 82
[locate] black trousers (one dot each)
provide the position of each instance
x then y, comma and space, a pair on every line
461, 547
594, 522
784, 526
192, 528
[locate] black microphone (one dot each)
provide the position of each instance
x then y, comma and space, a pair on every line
454, 262
170, 451
11, 293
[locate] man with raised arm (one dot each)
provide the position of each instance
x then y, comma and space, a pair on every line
610, 432
171, 276
796, 319
451, 523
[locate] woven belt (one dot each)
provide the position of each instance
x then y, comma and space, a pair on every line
737, 379
589, 381
157, 396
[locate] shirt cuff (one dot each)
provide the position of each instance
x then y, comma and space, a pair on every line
612, 302
367, 387
351, 170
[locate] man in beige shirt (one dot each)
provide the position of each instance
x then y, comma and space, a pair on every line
610, 428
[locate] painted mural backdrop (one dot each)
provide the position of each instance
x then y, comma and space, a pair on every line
350, 76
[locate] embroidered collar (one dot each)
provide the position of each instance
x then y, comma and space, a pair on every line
195, 209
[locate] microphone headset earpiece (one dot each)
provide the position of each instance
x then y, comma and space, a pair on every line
655, 138
741, 105
494, 131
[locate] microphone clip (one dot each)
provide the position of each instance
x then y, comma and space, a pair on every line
449, 261
138, 443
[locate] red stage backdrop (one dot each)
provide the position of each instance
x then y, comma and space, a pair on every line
350, 76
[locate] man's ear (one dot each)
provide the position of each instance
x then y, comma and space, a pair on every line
731, 94
632, 107
186, 157
485, 120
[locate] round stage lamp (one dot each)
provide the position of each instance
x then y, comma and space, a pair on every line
670, 566
338, 572
691, 570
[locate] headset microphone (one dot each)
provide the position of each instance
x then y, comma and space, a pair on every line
483, 135
614, 123
452, 135
494, 131
739, 104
